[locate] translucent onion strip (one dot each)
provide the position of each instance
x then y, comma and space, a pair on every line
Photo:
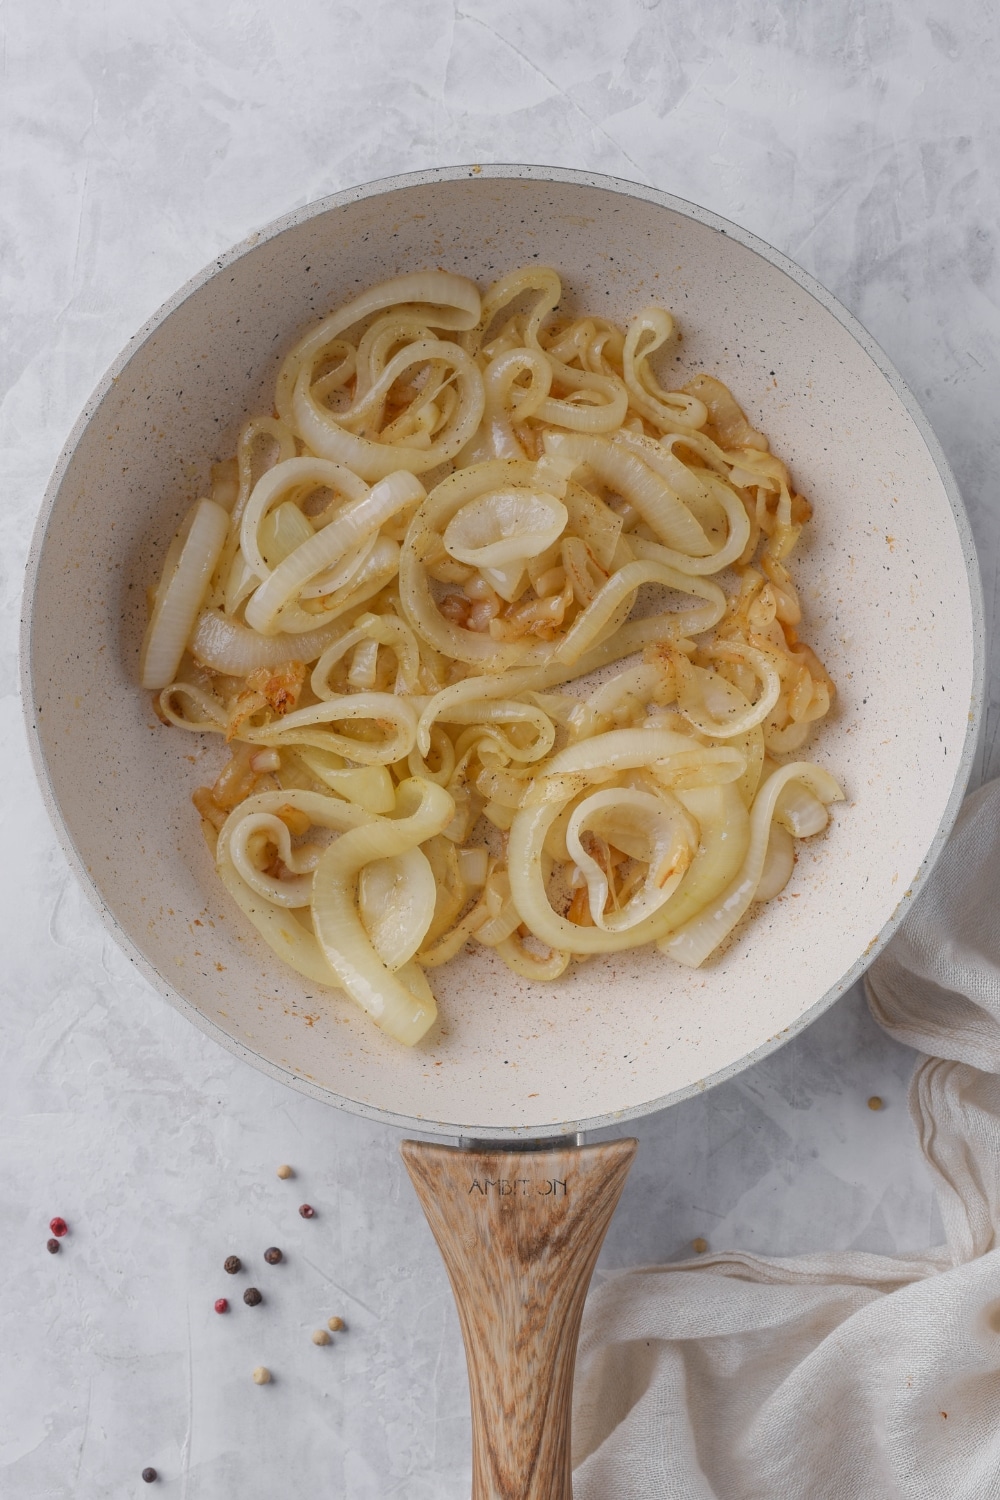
648, 331
711, 765
507, 401
779, 862
648, 492
602, 400
449, 301
278, 925
622, 695
660, 457
227, 646
517, 957
724, 834
352, 524
296, 889
445, 948
396, 899
293, 476
378, 569
181, 593
424, 536
319, 428
800, 812
692, 943
371, 787
378, 630
504, 917
213, 716
732, 549
452, 700
345, 571
293, 943
498, 532
703, 697
282, 441
525, 847
616, 750
405, 1011
488, 713
394, 716
655, 831
586, 629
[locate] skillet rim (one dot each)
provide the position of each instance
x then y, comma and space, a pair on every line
487, 173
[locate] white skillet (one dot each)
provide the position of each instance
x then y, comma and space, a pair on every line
890, 592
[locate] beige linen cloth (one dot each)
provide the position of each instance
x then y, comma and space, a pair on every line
845, 1376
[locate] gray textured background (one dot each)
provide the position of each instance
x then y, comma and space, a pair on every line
861, 139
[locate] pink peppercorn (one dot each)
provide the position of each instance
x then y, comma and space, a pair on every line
221, 1304
59, 1227
307, 1211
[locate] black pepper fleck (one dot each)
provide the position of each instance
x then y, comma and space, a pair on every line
252, 1297
232, 1264
273, 1255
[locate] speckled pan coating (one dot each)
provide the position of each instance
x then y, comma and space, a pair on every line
890, 590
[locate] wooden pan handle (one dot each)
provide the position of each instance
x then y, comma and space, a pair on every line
520, 1233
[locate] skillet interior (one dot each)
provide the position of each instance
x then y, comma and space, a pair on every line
889, 590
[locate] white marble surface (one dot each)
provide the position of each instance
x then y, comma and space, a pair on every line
859, 136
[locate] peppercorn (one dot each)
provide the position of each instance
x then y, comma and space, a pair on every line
321, 1336
285, 1171
273, 1255
53, 1247
875, 1102
150, 1476
335, 1325
222, 1304
59, 1227
699, 1246
307, 1211
262, 1375
252, 1297
232, 1264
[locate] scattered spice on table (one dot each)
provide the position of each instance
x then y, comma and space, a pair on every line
321, 1336
335, 1325
285, 1171
262, 1375
232, 1264
222, 1304
273, 1255
252, 1297
699, 1246
875, 1102
52, 1246
150, 1476
59, 1227
307, 1211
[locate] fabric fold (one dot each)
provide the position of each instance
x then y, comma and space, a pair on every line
846, 1376
692, 1385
